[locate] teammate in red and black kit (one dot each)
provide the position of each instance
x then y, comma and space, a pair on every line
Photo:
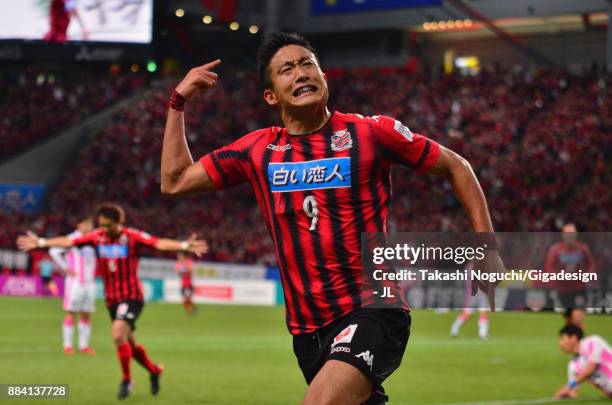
320, 181
571, 255
184, 268
118, 251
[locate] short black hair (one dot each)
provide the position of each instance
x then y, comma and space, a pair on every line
572, 330
270, 45
112, 211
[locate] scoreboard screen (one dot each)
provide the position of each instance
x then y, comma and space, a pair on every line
123, 21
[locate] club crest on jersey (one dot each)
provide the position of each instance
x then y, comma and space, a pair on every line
341, 140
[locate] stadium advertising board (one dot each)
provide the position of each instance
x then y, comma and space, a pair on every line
239, 292
164, 268
21, 198
322, 7
29, 286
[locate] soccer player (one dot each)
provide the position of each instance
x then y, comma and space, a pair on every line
79, 266
592, 361
184, 268
60, 13
320, 181
478, 301
571, 255
118, 250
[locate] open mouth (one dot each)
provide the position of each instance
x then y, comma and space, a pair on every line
304, 90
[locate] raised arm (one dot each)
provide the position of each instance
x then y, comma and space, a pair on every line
31, 241
179, 174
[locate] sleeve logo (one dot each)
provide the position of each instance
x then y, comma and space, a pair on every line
402, 129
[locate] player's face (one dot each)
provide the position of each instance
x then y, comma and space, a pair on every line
568, 343
297, 79
111, 227
85, 226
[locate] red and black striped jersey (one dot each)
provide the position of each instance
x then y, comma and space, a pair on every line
118, 258
317, 193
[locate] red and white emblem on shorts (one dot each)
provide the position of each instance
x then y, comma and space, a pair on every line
346, 335
341, 140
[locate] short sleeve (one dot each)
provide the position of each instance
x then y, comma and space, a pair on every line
399, 145
225, 166
87, 239
143, 238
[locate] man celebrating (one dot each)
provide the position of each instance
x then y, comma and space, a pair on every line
79, 266
320, 181
117, 247
592, 361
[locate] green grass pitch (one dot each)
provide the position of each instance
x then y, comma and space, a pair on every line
243, 355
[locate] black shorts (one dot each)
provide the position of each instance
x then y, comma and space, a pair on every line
372, 340
128, 310
572, 300
186, 291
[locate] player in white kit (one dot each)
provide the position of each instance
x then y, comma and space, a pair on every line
79, 266
473, 302
592, 361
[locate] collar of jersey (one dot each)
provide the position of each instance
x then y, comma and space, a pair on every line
316, 130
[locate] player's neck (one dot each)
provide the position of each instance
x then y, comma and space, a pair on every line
305, 121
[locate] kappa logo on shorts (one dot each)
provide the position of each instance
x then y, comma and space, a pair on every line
345, 336
367, 357
341, 140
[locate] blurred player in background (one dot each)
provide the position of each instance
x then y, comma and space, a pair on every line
473, 302
118, 253
60, 13
45, 268
79, 266
184, 268
320, 181
592, 361
570, 255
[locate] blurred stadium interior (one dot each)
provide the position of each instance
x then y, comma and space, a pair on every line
520, 88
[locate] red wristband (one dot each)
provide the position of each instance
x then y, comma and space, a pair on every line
177, 102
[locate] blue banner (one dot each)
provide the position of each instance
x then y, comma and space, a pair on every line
23, 198
322, 7
310, 175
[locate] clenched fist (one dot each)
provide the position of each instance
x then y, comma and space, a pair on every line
198, 78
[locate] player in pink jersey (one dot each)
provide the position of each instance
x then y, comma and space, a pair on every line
592, 361
79, 266
473, 302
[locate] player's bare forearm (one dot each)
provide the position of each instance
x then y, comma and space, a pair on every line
179, 174
466, 187
32, 241
192, 245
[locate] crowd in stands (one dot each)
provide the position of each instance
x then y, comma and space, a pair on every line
539, 143
38, 103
